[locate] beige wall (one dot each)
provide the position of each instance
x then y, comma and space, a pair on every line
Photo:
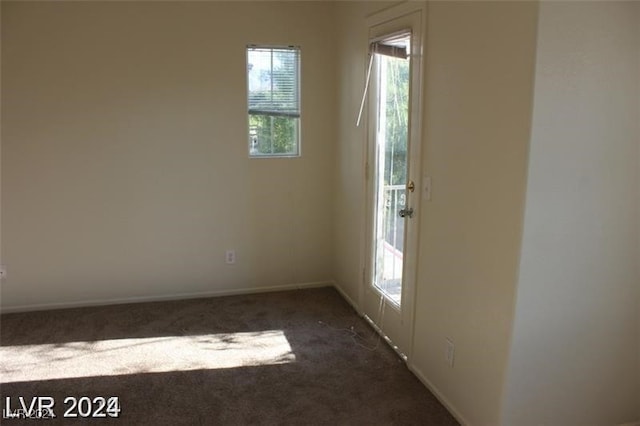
479, 79
125, 170
478, 86
349, 193
574, 357
1, 151
125, 174
349, 186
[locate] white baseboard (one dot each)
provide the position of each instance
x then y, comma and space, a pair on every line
434, 390
346, 297
163, 298
233, 292
455, 413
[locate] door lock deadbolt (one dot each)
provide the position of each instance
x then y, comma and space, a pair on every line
406, 212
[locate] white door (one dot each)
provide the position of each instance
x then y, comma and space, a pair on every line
393, 184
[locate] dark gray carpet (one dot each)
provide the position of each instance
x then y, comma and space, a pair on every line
338, 373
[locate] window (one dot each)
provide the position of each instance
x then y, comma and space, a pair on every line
273, 80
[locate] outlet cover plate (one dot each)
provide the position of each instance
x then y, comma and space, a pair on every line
450, 353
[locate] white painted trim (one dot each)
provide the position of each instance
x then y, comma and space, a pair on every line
162, 298
444, 401
400, 9
400, 324
385, 337
426, 383
346, 297
434, 390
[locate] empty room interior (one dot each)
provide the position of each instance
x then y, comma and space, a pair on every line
320, 212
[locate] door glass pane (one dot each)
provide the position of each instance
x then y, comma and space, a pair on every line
392, 129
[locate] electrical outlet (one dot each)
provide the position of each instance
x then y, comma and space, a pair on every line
450, 352
230, 257
3, 272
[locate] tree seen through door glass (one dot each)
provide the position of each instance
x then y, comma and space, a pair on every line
392, 141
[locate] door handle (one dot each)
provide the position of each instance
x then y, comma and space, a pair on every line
406, 212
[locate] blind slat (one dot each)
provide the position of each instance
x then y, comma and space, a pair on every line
274, 88
389, 50
274, 113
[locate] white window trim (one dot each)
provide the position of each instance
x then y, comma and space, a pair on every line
299, 81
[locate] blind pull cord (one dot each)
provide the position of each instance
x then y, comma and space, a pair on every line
366, 89
380, 49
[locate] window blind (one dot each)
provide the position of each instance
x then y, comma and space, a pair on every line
385, 47
274, 88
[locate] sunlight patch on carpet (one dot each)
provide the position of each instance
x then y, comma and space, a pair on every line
143, 355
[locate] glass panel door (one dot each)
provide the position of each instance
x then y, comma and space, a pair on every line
391, 168
392, 115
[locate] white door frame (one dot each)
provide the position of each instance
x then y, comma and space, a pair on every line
398, 18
